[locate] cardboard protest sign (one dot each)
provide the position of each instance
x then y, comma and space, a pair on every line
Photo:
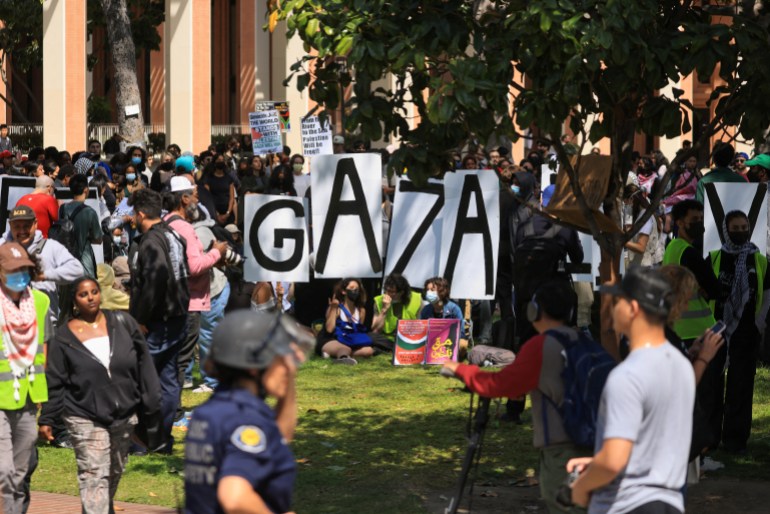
471, 233
265, 132
347, 216
276, 240
411, 337
316, 138
414, 246
722, 197
443, 341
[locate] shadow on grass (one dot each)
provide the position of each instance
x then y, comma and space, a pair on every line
349, 457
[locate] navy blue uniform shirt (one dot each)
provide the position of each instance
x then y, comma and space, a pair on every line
234, 434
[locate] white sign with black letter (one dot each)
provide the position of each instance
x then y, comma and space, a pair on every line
347, 215
276, 240
471, 233
722, 197
414, 246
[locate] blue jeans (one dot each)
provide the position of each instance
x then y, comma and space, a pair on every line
209, 321
164, 339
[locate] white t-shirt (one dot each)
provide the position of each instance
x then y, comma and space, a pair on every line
648, 399
100, 348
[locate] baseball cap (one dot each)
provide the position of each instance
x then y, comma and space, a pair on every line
760, 160
646, 286
232, 228
180, 184
185, 162
22, 212
338, 140
13, 256
251, 340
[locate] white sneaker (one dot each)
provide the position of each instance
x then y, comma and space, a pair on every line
203, 388
710, 464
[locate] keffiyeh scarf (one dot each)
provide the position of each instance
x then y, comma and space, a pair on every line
19, 326
739, 294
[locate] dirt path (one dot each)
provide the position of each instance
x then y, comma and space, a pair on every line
711, 496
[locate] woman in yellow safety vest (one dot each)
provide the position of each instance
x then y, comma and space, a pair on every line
24, 325
742, 304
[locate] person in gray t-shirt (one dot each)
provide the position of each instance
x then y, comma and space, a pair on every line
644, 423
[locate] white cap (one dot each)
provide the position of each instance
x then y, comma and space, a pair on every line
180, 184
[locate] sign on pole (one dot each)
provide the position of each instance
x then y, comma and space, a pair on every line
265, 132
283, 112
316, 138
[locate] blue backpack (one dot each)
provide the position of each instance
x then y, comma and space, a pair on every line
585, 372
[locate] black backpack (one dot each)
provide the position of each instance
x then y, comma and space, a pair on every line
536, 260
63, 231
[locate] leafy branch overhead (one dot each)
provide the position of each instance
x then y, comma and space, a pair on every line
603, 63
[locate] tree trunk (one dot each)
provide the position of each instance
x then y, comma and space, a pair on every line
131, 128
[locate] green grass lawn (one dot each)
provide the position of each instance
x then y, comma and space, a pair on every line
377, 435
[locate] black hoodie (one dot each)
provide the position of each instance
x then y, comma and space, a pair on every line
79, 385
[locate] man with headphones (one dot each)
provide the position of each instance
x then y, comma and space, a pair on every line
537, 370
644, 423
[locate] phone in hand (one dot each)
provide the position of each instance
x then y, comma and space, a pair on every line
718, 327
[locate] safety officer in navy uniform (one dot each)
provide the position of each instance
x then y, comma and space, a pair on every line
237, 457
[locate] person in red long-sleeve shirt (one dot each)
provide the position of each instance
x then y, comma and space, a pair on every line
42, 201
537, 370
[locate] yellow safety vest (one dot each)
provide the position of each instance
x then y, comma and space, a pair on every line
34, 386
699, 316
411, 310
760, 262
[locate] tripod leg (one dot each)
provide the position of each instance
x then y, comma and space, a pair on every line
474, 447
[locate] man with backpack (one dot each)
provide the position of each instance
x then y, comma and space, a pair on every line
78, 226
159, 296
562, 422
644, 422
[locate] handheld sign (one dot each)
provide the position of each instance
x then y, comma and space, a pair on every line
276, 240
471, 233
316, 138
414, 246
722, 197
265, 132
347, 216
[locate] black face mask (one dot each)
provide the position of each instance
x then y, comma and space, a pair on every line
696, 229
353, 294
738, 238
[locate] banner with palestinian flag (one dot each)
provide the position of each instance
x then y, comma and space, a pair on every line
411, 337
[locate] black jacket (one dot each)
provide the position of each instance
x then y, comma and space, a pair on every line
156, 294
79, 385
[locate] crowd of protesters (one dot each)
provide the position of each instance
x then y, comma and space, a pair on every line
106, 343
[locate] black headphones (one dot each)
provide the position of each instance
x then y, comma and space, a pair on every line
535, 310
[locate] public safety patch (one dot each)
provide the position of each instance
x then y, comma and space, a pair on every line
249, 438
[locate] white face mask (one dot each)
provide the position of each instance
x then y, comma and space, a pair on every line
117, 240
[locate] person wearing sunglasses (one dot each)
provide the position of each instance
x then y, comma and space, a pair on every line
739, 164
237, 457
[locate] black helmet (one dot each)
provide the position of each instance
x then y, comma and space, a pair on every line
251, 340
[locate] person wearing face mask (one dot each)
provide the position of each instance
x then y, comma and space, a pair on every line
26, 332
398, 302
301, 180
344, 338
137, 156
182, 207
742, 305
686, 250
440, 306
222, 187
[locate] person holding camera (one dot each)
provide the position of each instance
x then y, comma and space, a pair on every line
537, 370
644, 422
182, 206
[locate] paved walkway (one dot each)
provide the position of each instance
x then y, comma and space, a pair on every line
49, 503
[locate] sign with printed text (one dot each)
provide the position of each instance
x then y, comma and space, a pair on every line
347, 215
276, 240
265, 132
283, 112
720, 198
316, 138
443, 341
411, 338
471, 233
414, 246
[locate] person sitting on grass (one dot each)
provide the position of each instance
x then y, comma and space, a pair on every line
440, 306
344, 336
398, 302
